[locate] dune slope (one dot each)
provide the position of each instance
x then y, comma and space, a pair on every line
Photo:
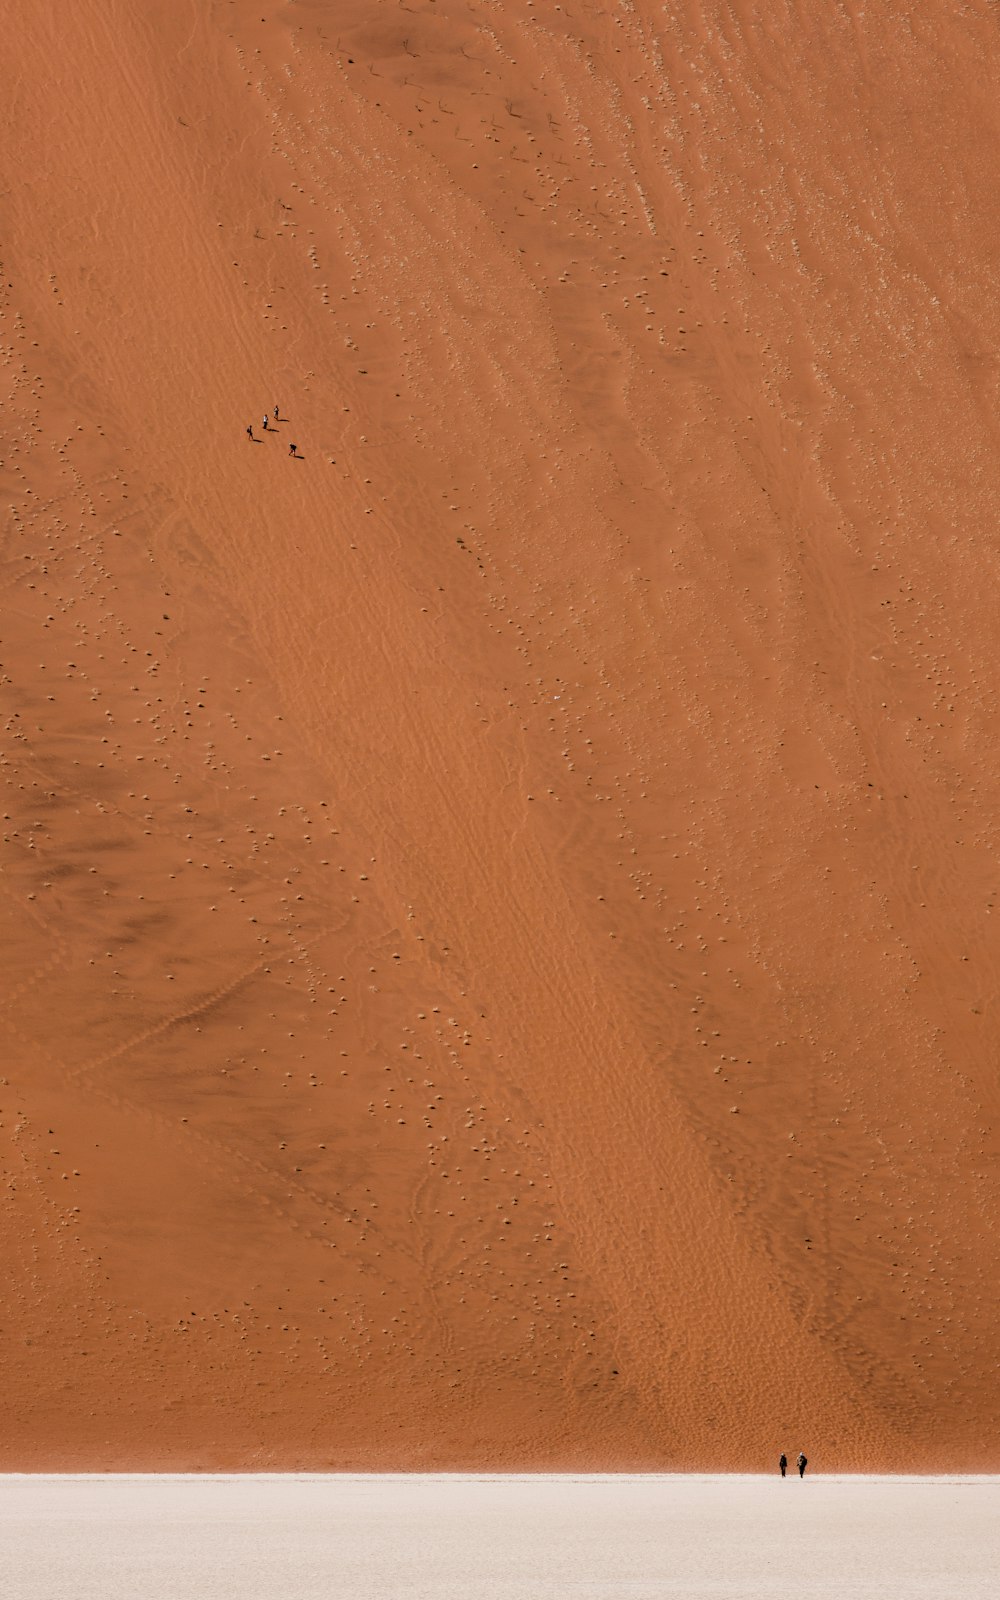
498, 914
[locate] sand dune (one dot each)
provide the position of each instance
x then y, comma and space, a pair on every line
497, 918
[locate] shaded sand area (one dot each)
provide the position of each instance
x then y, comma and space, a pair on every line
498, 923
493, 1538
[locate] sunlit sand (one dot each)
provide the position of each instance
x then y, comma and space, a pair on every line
498, 1538
499, 934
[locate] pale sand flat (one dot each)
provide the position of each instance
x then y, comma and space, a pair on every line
375, 1537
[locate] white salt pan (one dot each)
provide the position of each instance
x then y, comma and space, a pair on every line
498, 1538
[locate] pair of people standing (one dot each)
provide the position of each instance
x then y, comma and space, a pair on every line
801, 1463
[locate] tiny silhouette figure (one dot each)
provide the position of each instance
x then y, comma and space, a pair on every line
276, 417
249, 433
292, 448
802, 1463
264, 424
783, 1463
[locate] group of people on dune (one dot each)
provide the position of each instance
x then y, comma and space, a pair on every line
266, 425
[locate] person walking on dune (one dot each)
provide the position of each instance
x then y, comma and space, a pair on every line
250, 433
292, 449
276, 417
783, 1463
802, 1463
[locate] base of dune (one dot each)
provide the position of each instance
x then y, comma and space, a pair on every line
499, 1538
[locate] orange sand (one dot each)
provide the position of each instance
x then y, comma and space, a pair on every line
497, 922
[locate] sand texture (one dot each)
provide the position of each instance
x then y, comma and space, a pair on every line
497, 924
547, 1538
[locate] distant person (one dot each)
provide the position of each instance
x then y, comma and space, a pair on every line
250, 433
292, 449
802, 1463
264, 424
783, 1463
276, 417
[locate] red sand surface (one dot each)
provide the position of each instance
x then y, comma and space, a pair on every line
499, 920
